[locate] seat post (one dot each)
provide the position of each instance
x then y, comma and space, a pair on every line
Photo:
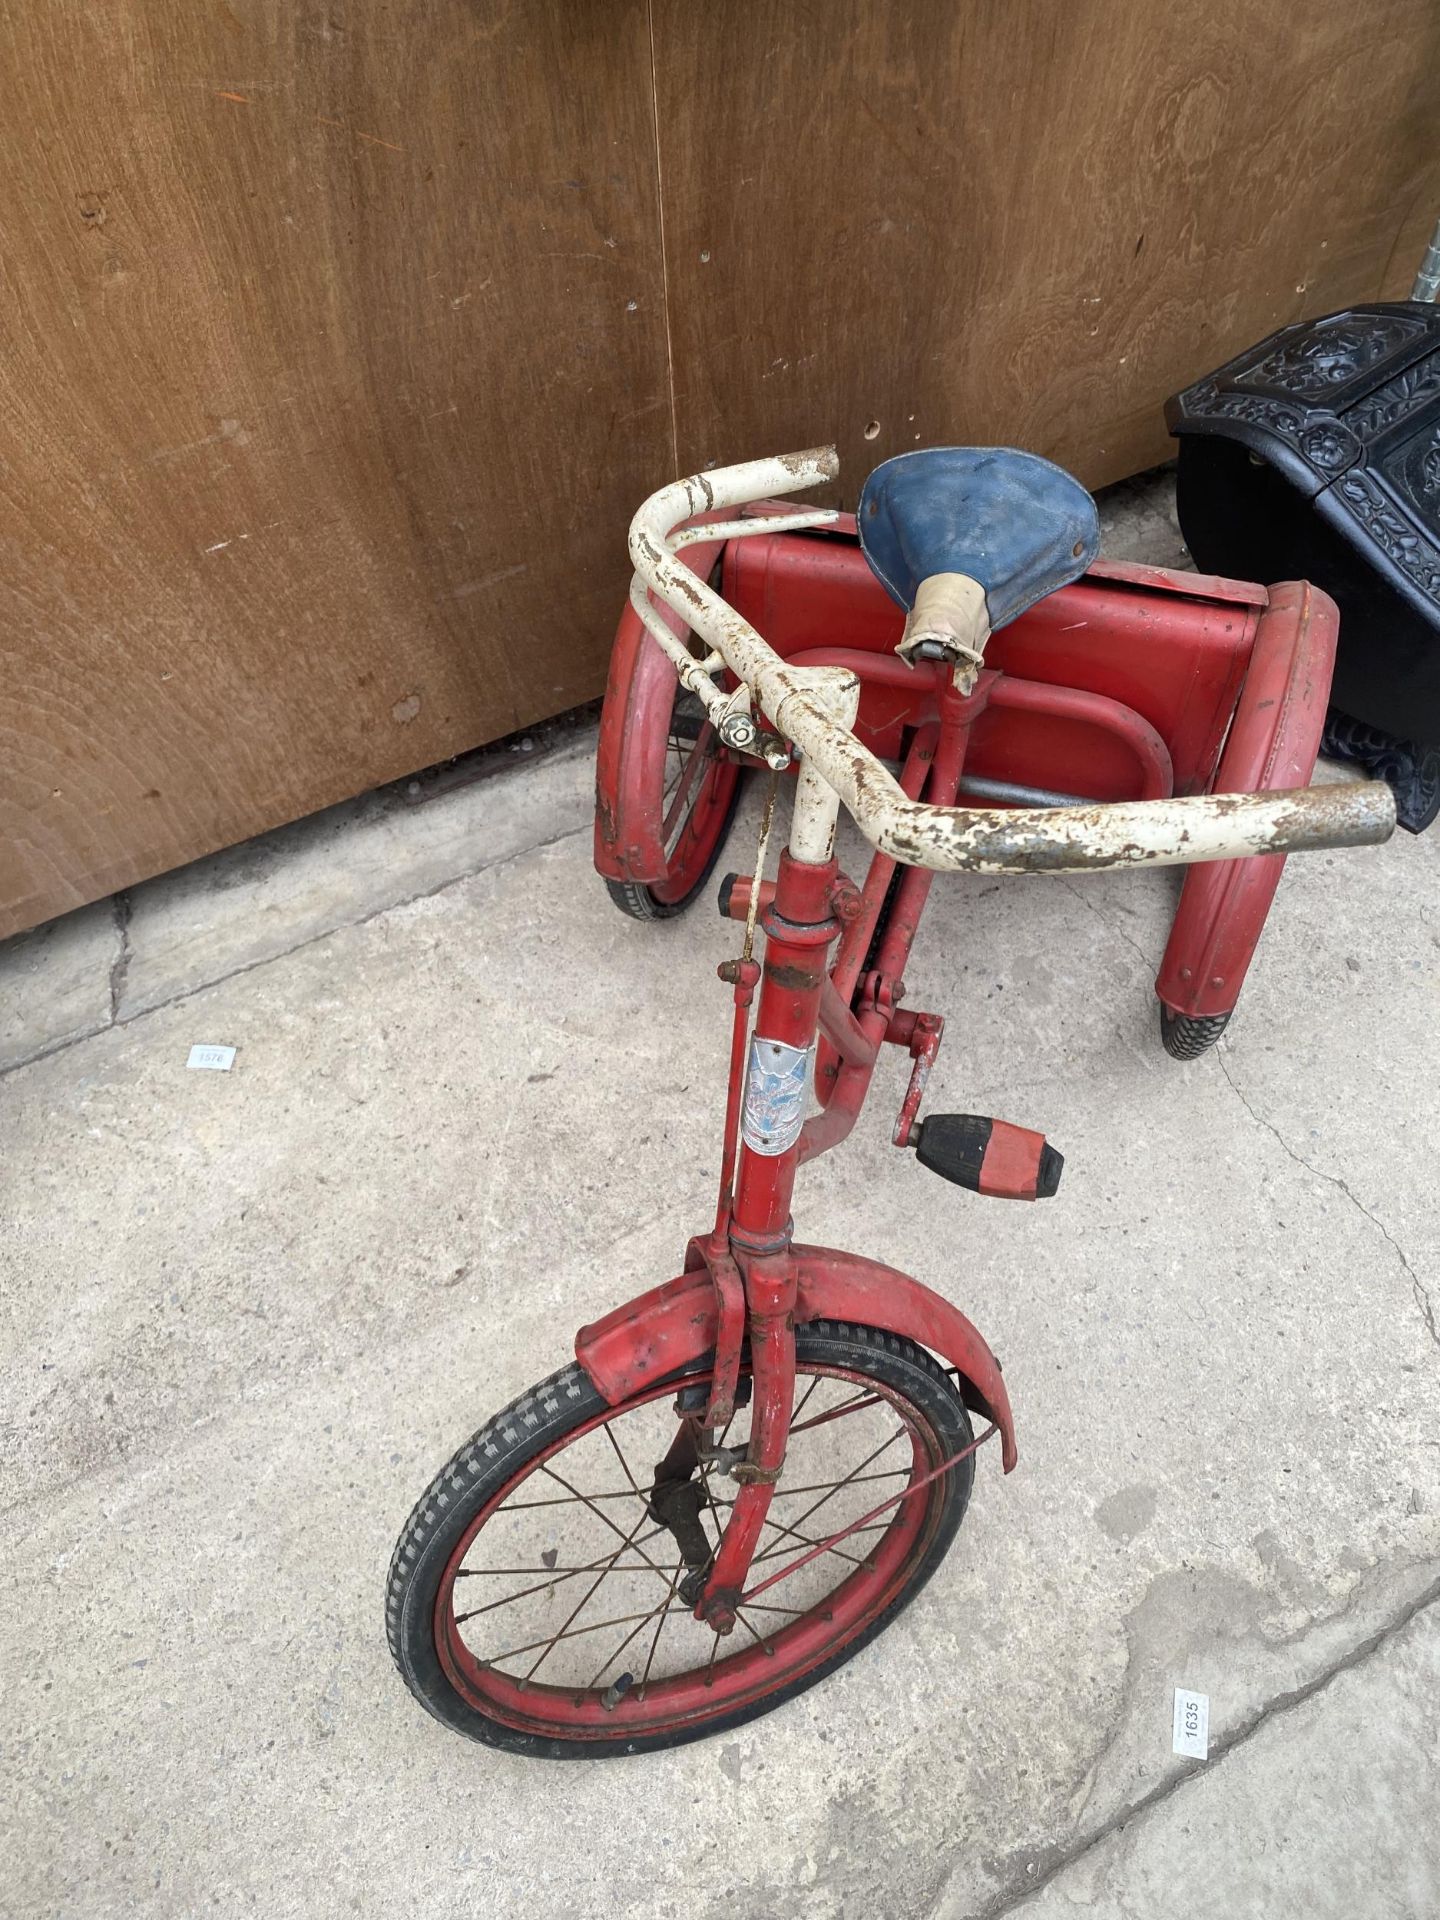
958, 714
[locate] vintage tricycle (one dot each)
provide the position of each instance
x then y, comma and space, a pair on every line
748, 1471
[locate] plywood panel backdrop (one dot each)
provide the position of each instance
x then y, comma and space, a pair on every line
1029, 223
335, 346
331, 361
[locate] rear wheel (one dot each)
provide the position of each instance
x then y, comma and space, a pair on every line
534, 1600
699, 791
1188, 1035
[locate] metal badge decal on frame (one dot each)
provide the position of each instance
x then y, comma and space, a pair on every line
774, 1096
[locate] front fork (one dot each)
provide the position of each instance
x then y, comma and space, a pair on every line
771, 1325
748, 1253
755, 1298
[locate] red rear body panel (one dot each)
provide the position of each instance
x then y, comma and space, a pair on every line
1173, 647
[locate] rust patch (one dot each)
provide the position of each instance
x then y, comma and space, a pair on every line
1300, 821
795, 979
825, 458
609, 828
686, 590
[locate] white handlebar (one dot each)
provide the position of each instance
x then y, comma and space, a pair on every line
1157, 833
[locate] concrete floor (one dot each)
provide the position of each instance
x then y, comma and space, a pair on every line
246, 1315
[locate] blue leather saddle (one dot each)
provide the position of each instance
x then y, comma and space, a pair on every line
1018, 524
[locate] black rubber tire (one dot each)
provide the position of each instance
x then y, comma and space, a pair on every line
639, 903
567, 1400
1188, 1035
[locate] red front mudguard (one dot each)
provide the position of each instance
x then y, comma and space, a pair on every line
674, 1326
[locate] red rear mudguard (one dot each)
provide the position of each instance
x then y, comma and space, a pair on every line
1273, 740
674, 1326
630, 754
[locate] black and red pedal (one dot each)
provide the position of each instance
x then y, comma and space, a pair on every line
988, 1156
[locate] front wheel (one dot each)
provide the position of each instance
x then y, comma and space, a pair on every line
534, 1600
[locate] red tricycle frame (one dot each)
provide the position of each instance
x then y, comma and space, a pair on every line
1126, 719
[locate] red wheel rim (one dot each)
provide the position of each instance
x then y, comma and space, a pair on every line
758, 1666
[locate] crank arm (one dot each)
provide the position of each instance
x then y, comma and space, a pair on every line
921, 1033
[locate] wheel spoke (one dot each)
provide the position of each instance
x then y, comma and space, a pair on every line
634, 1633
658, 1572
776, 1547
700, 755
628, 1493
659, 1629
794, 1533
884, 1444
560, 1500
548, 1645
544, 1586
752, 1633
838, 1413
568, 1633
820, 1486
804, 1401
625, 1464
562, 1573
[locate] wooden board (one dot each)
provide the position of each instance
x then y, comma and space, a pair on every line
332, 365
1011, 221
335, 352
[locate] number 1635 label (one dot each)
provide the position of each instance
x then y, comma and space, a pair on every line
1191, 1733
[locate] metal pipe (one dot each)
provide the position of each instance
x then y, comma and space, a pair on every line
744, 529
1166, 832
974, 788
817, 804
692, 672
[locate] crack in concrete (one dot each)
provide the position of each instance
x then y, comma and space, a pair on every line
1417, 1286
1111, 926
121, 966
122, 907
1283, 1703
